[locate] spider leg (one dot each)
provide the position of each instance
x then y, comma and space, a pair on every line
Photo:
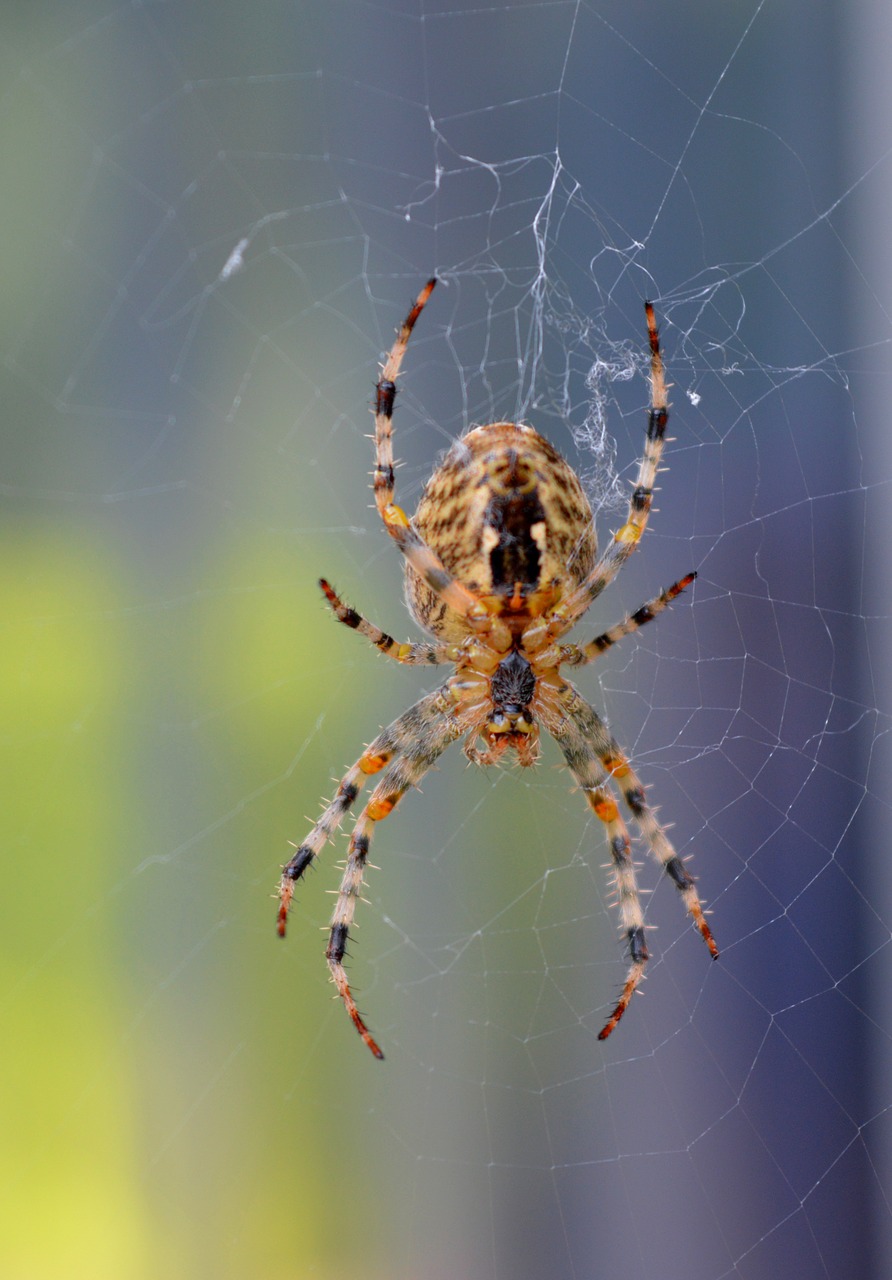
611, 756
422, 744
426, 563
626, 539
658, 841
583, 737
578, 655
411, 654
377, 756
582, 760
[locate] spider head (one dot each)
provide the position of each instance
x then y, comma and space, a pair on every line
512, 723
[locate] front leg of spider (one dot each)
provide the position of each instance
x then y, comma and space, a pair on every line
501, 560
596, 761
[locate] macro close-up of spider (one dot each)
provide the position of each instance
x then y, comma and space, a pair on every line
501, 561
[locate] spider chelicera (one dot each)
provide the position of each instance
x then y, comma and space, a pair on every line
501, 561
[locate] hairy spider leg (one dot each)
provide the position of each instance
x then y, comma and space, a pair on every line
626, 539
583, 762
411, 654
575, 655
426, 563
377, 755
419, 753
617, 766
591, 752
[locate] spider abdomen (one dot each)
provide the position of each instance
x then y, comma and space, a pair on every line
508, 517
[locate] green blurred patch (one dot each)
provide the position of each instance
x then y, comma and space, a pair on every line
60, 647
270, 652
71, 1202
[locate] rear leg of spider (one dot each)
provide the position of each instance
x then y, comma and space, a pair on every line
626, 538
426, 563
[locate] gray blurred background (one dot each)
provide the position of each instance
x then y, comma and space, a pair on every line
214, 216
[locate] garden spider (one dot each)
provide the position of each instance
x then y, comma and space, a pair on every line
501, 561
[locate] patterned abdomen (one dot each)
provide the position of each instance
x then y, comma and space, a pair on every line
507, 516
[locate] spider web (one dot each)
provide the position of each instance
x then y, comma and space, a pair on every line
216, 215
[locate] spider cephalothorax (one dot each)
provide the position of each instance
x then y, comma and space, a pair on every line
511, 722
501, 561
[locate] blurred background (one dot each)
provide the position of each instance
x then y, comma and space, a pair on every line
214, 217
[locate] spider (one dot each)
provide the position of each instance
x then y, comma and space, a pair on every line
501, 561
